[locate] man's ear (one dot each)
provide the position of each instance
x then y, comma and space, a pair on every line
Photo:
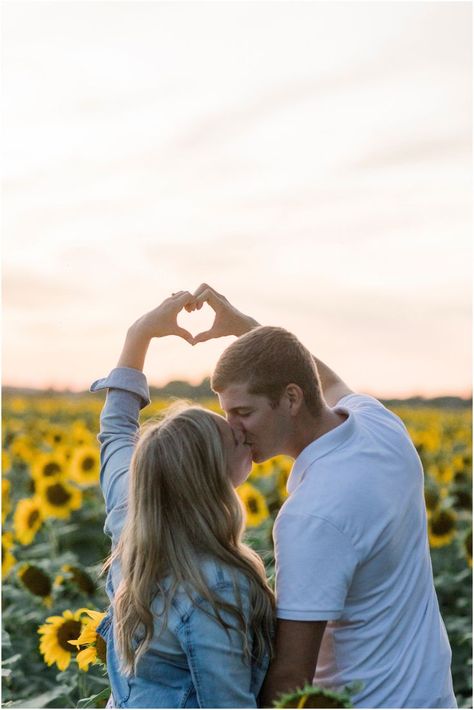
295, 398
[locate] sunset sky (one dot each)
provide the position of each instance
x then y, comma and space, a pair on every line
310, 160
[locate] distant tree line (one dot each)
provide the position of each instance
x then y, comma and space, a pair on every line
184, 390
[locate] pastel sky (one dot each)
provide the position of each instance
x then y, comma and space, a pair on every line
310, 160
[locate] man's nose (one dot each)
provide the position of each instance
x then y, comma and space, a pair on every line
239, 432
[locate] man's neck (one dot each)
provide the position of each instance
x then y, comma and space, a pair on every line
313, 428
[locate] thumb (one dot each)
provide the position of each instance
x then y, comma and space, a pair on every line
202, 337
185, 335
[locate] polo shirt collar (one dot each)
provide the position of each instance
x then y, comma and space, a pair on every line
320, 447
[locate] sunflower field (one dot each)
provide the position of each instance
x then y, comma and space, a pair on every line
53, 544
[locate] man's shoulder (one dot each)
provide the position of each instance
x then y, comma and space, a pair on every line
359, 400
367, 407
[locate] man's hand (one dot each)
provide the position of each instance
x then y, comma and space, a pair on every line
228, 320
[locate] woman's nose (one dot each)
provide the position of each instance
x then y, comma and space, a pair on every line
239, 434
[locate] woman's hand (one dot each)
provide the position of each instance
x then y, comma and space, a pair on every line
162, 320
157, 323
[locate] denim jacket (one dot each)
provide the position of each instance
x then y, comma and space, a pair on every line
193, 663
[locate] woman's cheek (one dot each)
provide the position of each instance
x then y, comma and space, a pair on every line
240, 474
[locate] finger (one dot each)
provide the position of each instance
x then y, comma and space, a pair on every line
205, 287
184, 299
209, 297
185, 335
204, 336
200, 289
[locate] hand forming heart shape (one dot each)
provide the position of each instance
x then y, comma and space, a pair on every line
196, 321
227, 319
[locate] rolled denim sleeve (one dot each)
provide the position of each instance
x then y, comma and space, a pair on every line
221, 675
127, 394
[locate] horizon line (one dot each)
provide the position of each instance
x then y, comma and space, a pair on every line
414, 395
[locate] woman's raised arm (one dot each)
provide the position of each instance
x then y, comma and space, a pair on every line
127, 394
157, 323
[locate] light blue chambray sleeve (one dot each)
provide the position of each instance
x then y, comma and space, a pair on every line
127, 394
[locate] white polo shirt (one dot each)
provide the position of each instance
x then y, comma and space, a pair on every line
351, 548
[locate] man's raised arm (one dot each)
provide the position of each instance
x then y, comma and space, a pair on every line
333, 387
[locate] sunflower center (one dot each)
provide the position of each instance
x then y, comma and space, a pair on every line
58, 495
51, 468
460, 477
463, 499
443, 523
69, 631
252, 505
33, 518
82, 580
36, 581
431, 498
101, 649
88, 463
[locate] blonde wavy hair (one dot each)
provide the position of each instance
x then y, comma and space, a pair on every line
182, 503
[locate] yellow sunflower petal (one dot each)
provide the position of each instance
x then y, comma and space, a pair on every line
86, 657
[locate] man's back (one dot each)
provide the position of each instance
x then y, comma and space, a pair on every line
352, 548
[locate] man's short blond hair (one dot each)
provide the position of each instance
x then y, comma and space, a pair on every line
267, 359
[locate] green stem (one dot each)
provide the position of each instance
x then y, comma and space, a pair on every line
52, 537
82, 685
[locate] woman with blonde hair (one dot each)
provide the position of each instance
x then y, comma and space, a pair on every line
191, 617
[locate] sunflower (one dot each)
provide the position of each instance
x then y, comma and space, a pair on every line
67, 452
96, 648
283, 474
80, 579
426, 442
442, 528
55, 635
48, 465
22, 448
6, 502
85, 465
255, 504
55, 436
27, 519
18, 404
263, 469
432, 498
462, 498
58, 498
313, 696
81, 435
441, 472
8, 561
36, 581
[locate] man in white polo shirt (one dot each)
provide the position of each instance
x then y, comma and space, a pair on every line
354, 584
